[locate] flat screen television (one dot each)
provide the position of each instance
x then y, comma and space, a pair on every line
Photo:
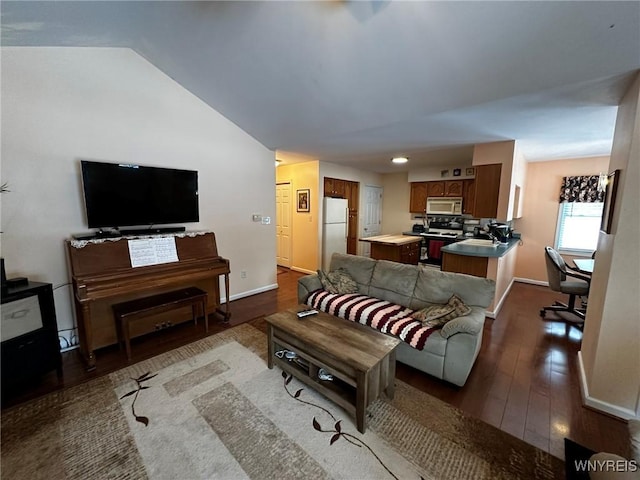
120, 195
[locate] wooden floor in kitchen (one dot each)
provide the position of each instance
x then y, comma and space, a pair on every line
524, 382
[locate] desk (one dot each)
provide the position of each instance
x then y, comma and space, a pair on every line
585, 265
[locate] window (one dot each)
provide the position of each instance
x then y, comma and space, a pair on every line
578, 227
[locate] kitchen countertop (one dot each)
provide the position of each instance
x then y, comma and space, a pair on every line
392, 239
476, 251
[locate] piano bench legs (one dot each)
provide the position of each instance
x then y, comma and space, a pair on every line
133, 310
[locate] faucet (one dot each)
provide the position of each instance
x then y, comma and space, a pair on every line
493, 238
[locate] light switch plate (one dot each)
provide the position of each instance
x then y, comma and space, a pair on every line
266, 220
256, 217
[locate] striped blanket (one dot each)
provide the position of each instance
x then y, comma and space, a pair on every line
384, 316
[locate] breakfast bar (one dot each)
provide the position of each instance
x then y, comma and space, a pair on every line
483, 258
474, 247
473, 256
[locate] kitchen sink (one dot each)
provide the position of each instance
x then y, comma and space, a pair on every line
479, 242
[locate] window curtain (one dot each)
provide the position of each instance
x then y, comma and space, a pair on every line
581, 189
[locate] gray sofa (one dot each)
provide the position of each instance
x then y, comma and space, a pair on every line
449, 353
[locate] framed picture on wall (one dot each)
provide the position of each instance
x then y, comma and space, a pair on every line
303, 200
610, 191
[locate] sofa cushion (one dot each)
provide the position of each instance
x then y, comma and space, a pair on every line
394, 282
384, 316
436, 287
337, 281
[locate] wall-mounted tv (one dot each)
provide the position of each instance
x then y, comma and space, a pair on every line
119, 195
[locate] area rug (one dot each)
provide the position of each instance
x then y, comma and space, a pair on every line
212, 409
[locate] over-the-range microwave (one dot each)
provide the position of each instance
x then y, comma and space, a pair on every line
444, 206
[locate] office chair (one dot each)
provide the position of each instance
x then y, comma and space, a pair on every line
557, 273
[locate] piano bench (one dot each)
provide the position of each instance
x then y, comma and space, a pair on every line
127, 312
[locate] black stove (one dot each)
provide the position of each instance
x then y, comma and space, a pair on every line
442, 231
443, 227
438, 233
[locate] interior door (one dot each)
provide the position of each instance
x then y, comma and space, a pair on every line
283, 224
372, 221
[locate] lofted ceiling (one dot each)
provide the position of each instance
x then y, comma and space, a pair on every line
356, 83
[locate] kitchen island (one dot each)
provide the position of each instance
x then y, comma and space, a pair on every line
494, 262
396, 248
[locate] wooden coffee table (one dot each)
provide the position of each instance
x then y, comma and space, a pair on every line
361, 359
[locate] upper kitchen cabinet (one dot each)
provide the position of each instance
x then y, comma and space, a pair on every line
444, 188
468, 195
420, 191
487, 189
352, 193
418, 201
334, 187
435, 189
453, 188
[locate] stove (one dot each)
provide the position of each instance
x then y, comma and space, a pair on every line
444, 227
442, 233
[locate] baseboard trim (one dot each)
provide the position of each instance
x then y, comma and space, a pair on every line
497, 308
530, 281
248, 293
303, 270
600, 405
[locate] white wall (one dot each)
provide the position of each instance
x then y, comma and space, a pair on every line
396, 217
60, 105
434, 173
610, 350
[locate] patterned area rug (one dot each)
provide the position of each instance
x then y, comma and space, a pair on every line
212, 409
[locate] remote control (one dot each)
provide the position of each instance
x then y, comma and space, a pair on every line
306, 313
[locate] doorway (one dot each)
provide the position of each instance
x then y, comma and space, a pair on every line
283, 224
372, 221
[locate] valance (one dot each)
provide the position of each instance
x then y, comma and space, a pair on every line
581, 189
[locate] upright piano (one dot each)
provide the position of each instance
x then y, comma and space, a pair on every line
102, 275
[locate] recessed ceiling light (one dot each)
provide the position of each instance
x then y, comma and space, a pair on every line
400, 160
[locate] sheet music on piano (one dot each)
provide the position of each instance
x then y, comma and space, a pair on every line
152, 251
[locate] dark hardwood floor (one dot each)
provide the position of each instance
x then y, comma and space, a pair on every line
524, 382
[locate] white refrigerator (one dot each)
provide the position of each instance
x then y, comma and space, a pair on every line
334, 228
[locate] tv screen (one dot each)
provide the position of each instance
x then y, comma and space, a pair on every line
117, 195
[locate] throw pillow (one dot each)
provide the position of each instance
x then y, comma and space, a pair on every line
432, 312
338, 281
326, 283
343, 282
459, 306
438, 315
